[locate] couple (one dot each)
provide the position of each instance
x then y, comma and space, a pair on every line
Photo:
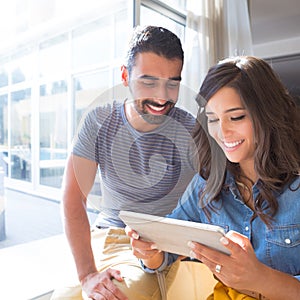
236, 166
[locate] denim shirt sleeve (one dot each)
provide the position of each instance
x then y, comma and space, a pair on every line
187, 207
164, 264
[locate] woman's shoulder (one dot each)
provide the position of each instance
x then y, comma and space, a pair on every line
197, 182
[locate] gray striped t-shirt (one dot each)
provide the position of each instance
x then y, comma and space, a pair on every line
140, 171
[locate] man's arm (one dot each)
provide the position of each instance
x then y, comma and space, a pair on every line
78, 180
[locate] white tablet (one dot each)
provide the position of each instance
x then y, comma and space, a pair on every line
172, 235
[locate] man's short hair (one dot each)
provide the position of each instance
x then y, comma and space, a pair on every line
158, 40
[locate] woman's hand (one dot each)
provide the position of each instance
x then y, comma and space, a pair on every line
146, 251
241, 270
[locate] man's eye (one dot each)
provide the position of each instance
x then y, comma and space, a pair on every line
148, 83
238, 118
172, 84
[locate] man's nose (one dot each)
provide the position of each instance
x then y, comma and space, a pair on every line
161, 93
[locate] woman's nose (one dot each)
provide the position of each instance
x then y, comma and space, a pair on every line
224, 129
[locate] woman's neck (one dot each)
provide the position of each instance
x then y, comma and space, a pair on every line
248, 170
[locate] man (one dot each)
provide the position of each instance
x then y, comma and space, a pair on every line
143, 149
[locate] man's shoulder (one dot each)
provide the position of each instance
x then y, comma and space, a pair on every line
103, 111
183, 114
109, 107
185, 118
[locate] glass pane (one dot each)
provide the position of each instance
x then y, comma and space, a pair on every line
179, 4
87, 89
123, 30
53, 57
53, 132
3, 132
21, 134
21, 67
149, 16
90, 43
3, 77
103, 40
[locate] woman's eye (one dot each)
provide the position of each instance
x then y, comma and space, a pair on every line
212, 120
238, 118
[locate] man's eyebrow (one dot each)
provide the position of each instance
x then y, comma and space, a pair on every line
177, 78
145, 76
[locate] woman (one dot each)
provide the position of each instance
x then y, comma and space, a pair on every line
248, 138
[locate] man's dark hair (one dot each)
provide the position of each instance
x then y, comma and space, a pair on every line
158, 40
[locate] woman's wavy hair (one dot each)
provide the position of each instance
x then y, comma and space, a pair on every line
275, 119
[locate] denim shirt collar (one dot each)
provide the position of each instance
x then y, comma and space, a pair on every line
232, 186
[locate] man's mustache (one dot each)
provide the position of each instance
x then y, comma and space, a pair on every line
153, 103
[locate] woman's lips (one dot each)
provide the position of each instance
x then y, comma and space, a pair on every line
231, 146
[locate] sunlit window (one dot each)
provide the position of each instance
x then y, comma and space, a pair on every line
3, 122
53, 57
20, 133
150, 16
56, 63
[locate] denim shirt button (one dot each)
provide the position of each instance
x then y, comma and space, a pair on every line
287, 241
247, 228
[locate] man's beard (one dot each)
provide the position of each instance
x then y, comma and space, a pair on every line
152, 118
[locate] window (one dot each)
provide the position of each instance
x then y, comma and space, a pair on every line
4, 132
20, 134
55, 71
53, 132
53, 58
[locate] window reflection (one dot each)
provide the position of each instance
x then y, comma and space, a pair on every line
3, 120
88, 88
53, 57
21, 66
89, 42
150, 16
3, 78
20, 134
53, 132
3, 133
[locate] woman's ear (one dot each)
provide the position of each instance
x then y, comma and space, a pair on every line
125, 75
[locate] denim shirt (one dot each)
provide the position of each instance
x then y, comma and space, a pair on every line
277, 247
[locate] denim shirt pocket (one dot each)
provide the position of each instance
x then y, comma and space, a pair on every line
283, 248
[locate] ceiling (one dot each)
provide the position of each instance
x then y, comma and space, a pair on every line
273, 20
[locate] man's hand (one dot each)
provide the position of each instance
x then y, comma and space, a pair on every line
99, 286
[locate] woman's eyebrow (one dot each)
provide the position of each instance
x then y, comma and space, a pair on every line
227, 110
234, 109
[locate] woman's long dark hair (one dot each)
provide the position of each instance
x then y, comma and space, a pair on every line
276, 123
